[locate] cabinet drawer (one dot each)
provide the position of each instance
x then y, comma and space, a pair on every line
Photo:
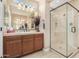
39, 36
27, 36
12, 38
27, 40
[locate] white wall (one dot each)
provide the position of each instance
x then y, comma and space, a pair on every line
45, 15
1, 24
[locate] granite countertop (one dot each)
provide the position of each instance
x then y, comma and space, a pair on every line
21, 33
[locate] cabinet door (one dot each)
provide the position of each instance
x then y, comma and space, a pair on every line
12, 46
38, 42
28, 44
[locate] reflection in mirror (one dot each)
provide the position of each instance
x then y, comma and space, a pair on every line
20, 14
6, 17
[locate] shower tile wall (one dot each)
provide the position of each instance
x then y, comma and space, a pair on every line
58, 28
75, 3
72, 22
64, 30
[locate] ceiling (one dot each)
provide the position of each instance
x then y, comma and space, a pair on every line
21, 6
55, 3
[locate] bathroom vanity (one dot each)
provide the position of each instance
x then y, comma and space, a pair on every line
18, 22
20, 44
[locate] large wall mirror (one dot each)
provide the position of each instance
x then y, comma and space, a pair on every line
19, 13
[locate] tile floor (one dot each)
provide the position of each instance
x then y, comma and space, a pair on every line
47, 54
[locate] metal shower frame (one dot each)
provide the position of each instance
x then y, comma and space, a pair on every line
51, 25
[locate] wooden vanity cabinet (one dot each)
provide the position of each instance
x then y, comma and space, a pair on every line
19, 45
12, 46
28, 44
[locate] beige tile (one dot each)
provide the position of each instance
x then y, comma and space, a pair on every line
43, 54
49, 54
77, 56
39, 54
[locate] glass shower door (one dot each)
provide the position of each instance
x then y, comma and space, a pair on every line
65, 30
58, 30
72, 16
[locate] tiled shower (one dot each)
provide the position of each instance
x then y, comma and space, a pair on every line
65, 29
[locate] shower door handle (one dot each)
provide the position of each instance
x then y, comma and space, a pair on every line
73, 29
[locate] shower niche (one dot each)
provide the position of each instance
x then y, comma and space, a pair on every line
65, 29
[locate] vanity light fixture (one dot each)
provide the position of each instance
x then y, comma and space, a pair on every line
24, 6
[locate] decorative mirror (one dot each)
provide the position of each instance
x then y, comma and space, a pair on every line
20, 14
